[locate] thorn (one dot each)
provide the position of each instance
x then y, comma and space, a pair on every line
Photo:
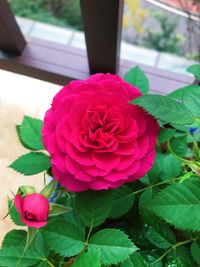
5, 216
12, 192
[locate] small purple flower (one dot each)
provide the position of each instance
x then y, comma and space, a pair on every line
193, 130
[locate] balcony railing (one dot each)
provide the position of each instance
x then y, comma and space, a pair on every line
57, 63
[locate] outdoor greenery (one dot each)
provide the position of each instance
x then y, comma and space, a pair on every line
58, 12
134, 15
67, 13
165, 39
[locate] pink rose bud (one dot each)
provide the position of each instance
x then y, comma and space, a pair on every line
33, 208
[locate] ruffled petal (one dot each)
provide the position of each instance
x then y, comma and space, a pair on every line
105, 161
18, 201
68, 181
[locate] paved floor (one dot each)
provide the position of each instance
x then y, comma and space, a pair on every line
128, 51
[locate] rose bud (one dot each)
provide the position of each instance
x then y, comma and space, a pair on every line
33, 208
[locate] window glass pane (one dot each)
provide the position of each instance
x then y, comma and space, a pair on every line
56, 12
53, 20
162, 33
159, 33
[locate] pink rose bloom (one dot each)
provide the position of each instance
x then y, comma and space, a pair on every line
34, 209
96, 138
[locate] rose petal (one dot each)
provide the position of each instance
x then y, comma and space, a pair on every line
105, 161
146, 165
101, 184
65, 91
130, 133
114, 175
143, 146
38, 205
67, 180
83, 158
129, 148
75, 169
125, 162
18, 201
141, 117
34, 224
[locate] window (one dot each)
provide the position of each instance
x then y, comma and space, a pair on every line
59, 63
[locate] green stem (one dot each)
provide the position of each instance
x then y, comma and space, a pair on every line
155, 185
174, 247
61, 263
196, 149
89, 233
87, 239
50, 264
181, 159
58, 196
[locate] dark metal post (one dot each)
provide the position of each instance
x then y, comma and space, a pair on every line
11, 38
102, 20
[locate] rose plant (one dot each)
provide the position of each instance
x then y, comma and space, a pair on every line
121, 171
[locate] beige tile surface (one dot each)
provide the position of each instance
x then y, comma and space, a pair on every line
19, 95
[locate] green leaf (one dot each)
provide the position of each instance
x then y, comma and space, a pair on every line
57, 209
114, 246
42, 264
196, 124
14, 214
195, 70
179, 205
31, 233
38, 245
192, 100
137, 78
30, 133
135, 260
152, 259
48, 190
165, 135
144, 200
54, 258
179, 145
178, 94
179, 257
160, 236
25, 190
31, 163
165, 109
89, 258
12, 256
15, 238
123, 201
171, 167
195, 251
93, 207
155, 172
63, 237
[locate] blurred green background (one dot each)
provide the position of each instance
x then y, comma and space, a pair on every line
58, 12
